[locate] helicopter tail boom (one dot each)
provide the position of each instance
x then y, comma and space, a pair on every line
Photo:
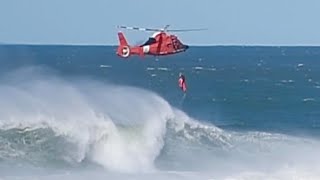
125, 50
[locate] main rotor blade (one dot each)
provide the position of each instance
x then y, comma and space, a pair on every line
138, 28
184, 30
157, 30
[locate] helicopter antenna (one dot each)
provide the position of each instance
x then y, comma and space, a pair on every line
165, 29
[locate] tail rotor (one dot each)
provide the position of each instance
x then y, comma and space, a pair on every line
124, 48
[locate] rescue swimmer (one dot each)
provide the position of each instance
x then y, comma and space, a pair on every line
182, 83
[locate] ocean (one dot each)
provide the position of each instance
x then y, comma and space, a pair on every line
81, 112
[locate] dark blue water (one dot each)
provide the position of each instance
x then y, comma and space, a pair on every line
249, 113
274, 89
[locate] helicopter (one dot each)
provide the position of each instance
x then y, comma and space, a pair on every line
161, 43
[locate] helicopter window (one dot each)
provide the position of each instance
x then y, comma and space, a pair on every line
175, 42
150, 41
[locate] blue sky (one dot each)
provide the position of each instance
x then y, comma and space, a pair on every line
229, 22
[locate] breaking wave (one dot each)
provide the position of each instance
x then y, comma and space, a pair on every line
119, 127
45, 120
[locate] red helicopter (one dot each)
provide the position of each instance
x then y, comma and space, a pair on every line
159, 44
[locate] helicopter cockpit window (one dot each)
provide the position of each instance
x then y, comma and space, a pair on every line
150, 41
175, 42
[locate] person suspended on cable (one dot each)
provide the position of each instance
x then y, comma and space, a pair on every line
182, 82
